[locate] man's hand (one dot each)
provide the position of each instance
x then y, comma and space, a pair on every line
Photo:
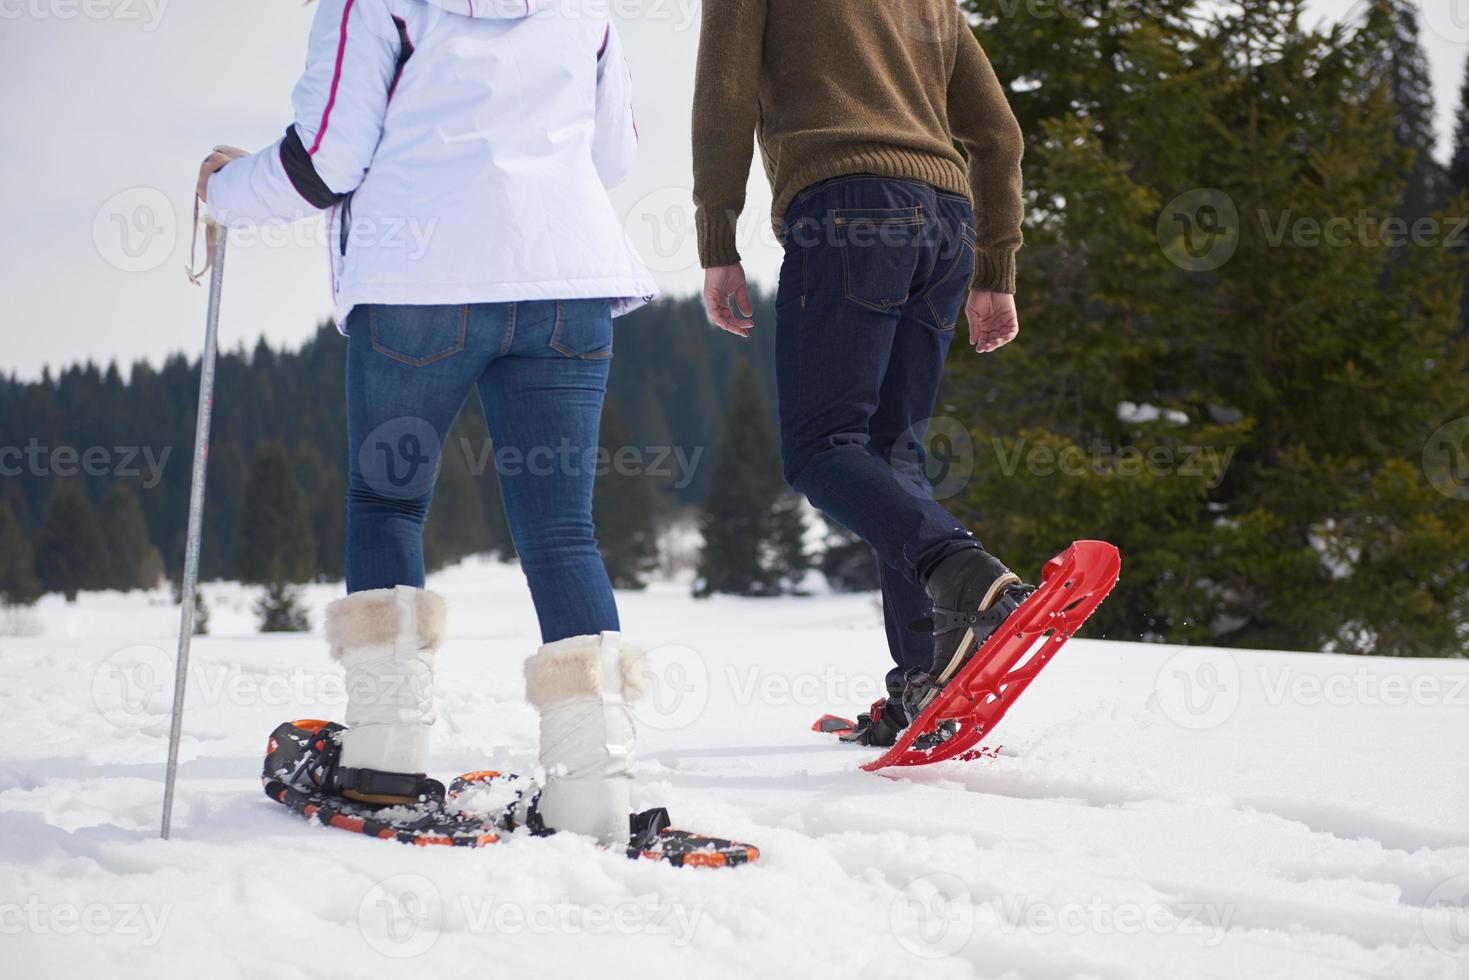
213, 164
722, 283
993, 322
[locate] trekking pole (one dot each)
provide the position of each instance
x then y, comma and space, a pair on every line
196, 522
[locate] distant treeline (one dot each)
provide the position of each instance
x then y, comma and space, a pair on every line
116, 449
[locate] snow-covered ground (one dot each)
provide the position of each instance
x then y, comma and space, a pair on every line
1154, 812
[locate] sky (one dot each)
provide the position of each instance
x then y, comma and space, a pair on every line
111, 104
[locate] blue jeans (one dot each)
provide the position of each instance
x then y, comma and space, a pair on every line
541, 369
875, 273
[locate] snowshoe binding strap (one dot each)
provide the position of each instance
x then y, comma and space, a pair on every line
645, 828
305, 755
385, 788
879, 725
983, 623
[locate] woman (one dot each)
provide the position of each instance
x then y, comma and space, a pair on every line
463, 150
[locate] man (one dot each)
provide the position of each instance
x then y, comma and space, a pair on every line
857, 106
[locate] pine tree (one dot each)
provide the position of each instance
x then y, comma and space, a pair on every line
19, 584
456, 526
1459, 165
71, 549
274, 540
787, 540
1402, 61
326, 497
847, 561
622, 510
280, 611
751, 531
1313, 368
126, 534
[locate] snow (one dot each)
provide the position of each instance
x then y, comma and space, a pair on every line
1152, 812
1133, 413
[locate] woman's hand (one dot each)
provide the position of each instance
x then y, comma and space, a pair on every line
213, 164
993, 321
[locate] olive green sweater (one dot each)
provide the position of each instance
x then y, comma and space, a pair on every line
833, 87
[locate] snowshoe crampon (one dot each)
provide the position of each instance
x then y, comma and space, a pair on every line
478, 809
971, 704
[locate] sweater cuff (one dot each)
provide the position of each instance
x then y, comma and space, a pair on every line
994, 272
716, 230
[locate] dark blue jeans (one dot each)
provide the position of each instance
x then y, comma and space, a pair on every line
541, 369
875, 273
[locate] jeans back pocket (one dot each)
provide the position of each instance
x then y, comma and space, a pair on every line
583, 329
879, 249
945, 298
418, 335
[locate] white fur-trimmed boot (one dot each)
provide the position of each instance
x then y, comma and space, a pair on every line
386, 640
584, 688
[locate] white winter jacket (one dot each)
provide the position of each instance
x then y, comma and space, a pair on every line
463, 149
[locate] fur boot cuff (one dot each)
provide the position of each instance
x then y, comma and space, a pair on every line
571, 670
370, 618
